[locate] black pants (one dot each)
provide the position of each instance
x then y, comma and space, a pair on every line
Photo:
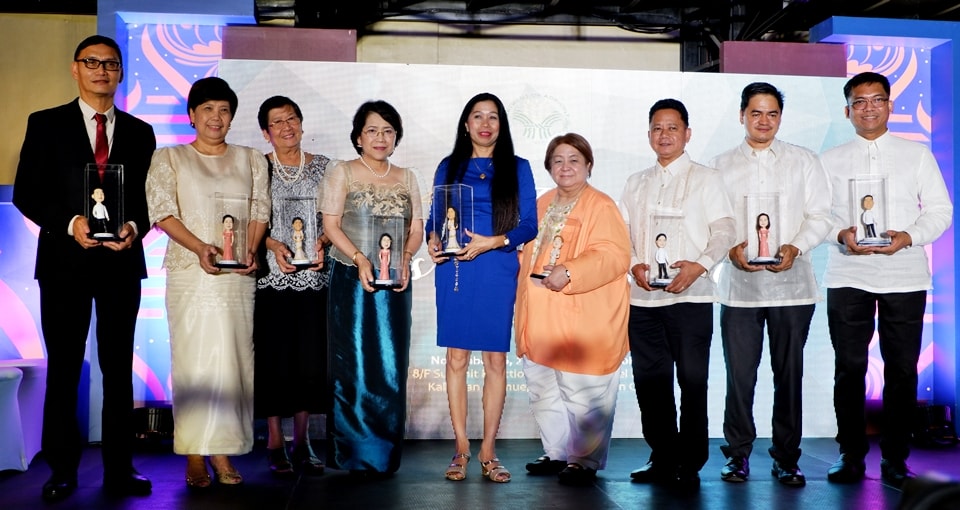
851, 313
65, 308
661, 338
742, 332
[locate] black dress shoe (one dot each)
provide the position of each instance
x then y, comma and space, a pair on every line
895, 472
280, 464
687, 480
305, 461
546, 466
58, 488
737, 469
127, 484
847, 469
576, 475
654, 473
788, 474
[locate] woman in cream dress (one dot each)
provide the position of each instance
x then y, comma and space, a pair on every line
210, 311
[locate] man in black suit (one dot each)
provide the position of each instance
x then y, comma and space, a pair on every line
74, 270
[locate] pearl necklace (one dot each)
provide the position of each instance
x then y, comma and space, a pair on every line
379, 176
282, 172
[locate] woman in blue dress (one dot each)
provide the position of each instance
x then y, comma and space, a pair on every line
476, 286
368, 328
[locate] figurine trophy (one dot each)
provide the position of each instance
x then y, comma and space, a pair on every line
663, 245
103, 201
387, 235
869, 209
556, 244
761, 223
229, 229
297, 228
453, 214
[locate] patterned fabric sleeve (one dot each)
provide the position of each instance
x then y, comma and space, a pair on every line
333, 190
416, 203
260, 202
161, 188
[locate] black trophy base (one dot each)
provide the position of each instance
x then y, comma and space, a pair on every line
386, 284
304, 264
230, 264
104, 237
764, 261
874, 241
660, 283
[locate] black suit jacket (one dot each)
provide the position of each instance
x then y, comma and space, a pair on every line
49, 190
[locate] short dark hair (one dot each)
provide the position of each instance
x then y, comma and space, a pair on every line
670, 104
276, 102
211, 89
381, 108
94, 40
574, 140
863, 79
755, 89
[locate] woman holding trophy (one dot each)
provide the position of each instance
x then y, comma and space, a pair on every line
210, 311
368, 327
289, 334
476, 285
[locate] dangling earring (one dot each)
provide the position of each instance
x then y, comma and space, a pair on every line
193, 125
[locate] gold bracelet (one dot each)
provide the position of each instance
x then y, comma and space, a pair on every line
355, 256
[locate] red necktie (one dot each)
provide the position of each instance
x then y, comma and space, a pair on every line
102, 151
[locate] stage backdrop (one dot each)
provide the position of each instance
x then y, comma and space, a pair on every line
610, 108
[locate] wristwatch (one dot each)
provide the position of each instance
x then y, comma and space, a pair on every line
506, 241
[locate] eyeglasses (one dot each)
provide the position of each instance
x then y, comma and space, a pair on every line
372, 132
278, 124
876, 102
92, 63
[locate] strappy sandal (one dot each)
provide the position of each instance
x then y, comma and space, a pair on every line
457, 472
197, 476
229, 476
498, 473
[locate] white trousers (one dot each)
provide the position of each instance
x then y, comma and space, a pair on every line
574, 413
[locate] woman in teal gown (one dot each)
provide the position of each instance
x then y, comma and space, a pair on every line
368, 328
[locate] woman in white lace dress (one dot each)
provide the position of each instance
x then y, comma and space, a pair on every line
210, 312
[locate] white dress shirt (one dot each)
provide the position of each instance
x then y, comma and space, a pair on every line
90, 122
696, 193
793, 174
918, 203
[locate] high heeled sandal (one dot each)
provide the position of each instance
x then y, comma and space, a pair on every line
279, 463
498, 473
198, 481
457, 472
229, 476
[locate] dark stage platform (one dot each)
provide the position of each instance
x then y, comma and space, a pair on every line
420, 485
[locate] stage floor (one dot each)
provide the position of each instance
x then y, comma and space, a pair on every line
419, 485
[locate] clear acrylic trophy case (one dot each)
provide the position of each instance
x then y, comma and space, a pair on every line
387, 235
297, 228
869, 209
761, 224
453, 214
663, 245
103, 201
231, 217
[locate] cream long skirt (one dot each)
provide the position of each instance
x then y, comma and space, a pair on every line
211, 349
